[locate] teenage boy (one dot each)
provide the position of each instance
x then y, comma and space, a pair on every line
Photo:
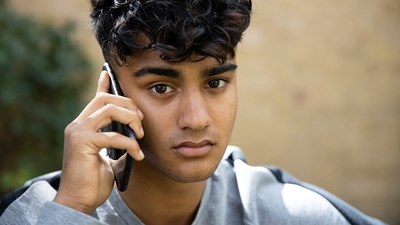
175, 63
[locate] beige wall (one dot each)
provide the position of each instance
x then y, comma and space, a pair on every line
319, 92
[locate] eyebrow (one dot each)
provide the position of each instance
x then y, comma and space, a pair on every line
219, 69
158, 71
173, 73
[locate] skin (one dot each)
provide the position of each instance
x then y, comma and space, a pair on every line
183, 115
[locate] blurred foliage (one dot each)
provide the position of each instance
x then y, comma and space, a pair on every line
43, 77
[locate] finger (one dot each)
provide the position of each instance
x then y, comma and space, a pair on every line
90, 143
116, 140
102, 100
103, 84
104, 116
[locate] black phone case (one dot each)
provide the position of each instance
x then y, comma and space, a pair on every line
121, 173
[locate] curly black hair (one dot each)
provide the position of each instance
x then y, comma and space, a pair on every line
178, 29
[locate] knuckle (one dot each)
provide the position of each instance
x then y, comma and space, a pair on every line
101, 95
112, 137
133, 119
109, 107
74, 136
110, 110
69, 129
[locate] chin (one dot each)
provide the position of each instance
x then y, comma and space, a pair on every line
191, 173
190, 178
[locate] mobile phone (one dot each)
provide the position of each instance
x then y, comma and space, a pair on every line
122, 170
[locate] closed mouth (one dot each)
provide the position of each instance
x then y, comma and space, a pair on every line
192, 149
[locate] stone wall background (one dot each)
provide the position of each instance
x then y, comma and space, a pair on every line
319, 92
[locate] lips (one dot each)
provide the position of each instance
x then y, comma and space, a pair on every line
192, 149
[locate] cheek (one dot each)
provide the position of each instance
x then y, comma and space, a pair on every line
231, 115
231, 100
149, 142
152, 124
225, 112
156, 124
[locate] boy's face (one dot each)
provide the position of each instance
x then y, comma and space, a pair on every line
189, 110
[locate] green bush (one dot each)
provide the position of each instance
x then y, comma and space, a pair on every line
43, 75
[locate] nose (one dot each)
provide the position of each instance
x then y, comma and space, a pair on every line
193, 111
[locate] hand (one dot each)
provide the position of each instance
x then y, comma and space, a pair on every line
87, 178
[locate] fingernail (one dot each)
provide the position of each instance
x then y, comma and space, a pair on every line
141, 155
142, 132
140, 114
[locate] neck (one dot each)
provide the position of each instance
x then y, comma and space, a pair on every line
156, 199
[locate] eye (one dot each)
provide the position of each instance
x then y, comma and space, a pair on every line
161, 89
217, 83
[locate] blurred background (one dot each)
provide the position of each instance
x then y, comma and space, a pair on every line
319, 92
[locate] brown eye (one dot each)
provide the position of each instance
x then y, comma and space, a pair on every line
161, 89
217, 83
214, 84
